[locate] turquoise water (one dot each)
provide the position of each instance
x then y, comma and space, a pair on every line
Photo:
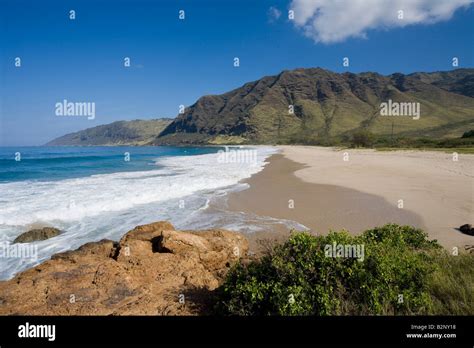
56, 163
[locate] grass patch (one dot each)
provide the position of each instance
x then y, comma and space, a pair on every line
462, 150
452, 285
227, 140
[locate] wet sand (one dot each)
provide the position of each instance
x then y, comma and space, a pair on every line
365, 192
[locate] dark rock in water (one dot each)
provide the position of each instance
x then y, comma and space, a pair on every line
37, 235
467, 229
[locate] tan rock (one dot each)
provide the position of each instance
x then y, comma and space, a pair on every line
148, 272
182, 243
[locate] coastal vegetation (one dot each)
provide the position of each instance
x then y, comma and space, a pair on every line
363, 138
401, 272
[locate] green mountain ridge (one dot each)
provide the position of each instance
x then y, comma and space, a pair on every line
136, 132
326, 105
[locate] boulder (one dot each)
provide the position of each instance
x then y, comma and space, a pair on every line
176, 243
37, 235
467, 229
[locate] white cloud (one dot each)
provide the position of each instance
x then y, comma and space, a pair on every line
273, 14
336, 20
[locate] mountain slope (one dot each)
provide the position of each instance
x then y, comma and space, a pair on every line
326, 105
136, 132
459, 81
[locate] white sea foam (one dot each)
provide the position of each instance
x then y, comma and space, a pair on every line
107, 205
74, 199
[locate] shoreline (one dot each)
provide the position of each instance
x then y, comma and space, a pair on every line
329, 194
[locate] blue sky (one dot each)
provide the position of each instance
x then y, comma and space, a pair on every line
176, 61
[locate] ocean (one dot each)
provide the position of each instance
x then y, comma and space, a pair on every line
94, 193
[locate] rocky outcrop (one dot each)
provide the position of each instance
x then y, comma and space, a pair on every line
467, 229
153, 270
37, 235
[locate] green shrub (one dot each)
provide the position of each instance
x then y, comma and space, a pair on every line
362, 138
299, 278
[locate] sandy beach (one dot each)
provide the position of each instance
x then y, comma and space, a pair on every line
318, 188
